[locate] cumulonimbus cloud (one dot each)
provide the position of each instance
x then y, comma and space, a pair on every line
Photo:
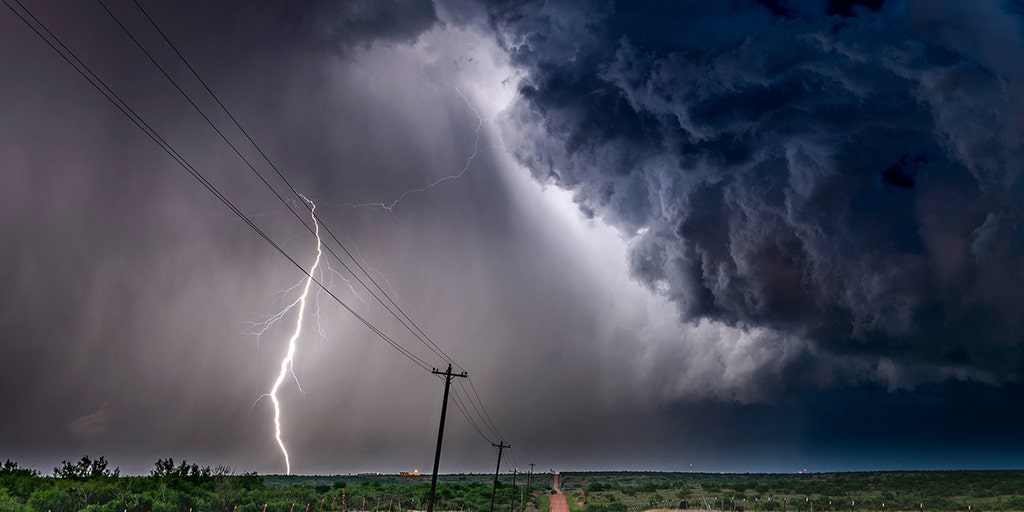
846, 173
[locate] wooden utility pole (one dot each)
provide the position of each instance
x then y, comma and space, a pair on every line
529, 481
500, 446
522, 497
512, 504
448, 375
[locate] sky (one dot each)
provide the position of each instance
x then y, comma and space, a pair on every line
748, 235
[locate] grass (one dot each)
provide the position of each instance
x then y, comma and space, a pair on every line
544, 502
823, 492
575, 499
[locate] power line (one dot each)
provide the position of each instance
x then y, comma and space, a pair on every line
486, 416
83, 69
512, 455
465, 413
415, 329
401, 316
480, 415
476, 409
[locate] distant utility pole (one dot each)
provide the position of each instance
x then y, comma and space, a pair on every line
500, 446
529, 480
522, 497
512, 504
448, 375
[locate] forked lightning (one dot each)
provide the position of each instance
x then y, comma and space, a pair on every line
289, 358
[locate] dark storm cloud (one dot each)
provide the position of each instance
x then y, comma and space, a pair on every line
846, 173
128, 291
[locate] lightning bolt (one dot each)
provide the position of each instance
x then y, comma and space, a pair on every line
390, 206
326, 275
286, 363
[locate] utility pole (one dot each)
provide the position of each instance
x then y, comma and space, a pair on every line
512, 504
448, 375
522, 497
500, 446
529, 481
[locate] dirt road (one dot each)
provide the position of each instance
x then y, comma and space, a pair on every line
558, 503
557, 500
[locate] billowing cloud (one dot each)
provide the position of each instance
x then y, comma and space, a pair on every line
844, 174
809, 201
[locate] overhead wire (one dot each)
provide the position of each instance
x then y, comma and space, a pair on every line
474, 399
512, 455
461, 406
401, 315
486, 416
479, 414
415, 329
83, 69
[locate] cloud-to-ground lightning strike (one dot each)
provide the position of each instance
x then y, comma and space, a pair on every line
286, 363
326, 275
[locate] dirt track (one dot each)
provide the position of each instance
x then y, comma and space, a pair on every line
557, 500
558, 503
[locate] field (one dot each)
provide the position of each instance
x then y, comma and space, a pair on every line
835, 492
90, 486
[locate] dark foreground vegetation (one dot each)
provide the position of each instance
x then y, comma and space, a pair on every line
91, 485
920, 491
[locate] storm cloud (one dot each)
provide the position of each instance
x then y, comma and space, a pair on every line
655, 234
843, 174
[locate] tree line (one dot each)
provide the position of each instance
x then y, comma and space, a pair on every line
921, 491
91, 485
